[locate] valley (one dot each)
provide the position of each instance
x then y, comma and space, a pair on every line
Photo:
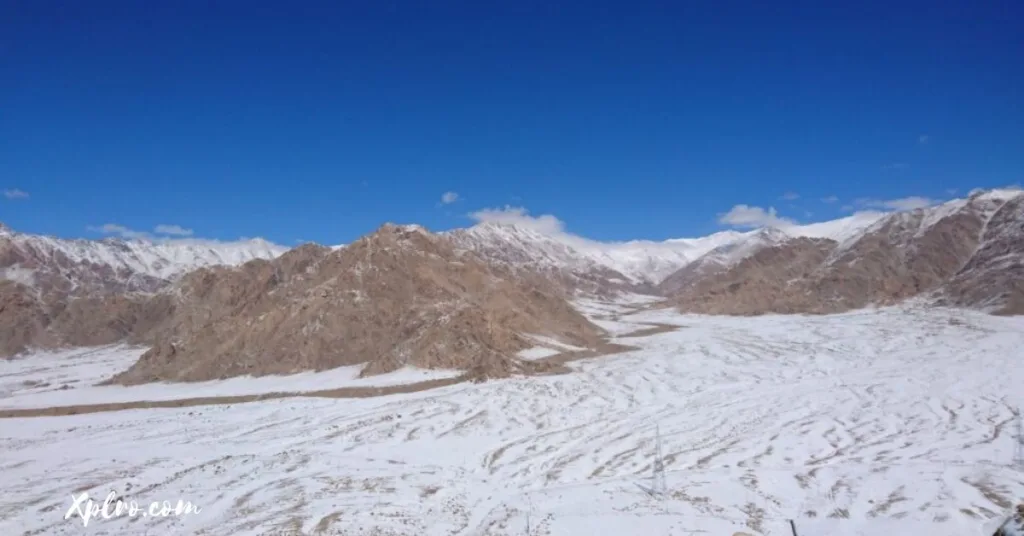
896, 419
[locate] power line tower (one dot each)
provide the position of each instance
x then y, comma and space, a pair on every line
1018, 448
658, 487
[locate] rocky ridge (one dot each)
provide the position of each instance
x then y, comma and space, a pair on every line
400, 296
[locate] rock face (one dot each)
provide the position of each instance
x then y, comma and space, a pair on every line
966, 252
720, 260
528, 252
770, 280
56, 292
115, 265
993, 278
400, 296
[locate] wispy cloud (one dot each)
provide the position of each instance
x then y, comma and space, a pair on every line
448, 198
830, 199
545, 223
122, 231
118, 230
923, 139
175, 230
746, 216
952, 191
790, 196
903, 203
15, 193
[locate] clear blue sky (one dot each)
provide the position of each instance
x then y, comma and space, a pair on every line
301, 120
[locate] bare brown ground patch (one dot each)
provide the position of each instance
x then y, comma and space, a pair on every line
656, 328
557, 362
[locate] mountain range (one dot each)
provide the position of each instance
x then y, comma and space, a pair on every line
390, 298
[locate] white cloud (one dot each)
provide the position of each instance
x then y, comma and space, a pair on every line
15, 193
904, 203
545, 223
746, 216
175, 230
923, 139
790, 196
126, 232
119, 230
830, 199
448, 198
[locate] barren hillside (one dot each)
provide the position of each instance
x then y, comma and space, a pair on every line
968, 252
400, 296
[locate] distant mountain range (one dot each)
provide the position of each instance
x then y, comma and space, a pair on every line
405, 295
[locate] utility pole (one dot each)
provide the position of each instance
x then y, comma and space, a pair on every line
658, 486
530, 511
1018, 449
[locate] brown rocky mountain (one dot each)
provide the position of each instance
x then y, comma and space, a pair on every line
525, 251
771, 280
467, 298
720, 260
965, 252
400, 296
993, 278
57, 292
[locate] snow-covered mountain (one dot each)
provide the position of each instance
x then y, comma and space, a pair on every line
641, 264
966, 252
114, 264
722, 258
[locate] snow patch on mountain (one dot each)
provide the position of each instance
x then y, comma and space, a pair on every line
24, 257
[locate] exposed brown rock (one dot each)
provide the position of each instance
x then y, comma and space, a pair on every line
968, 252
993, 278
57, 292
400, 296
719, 260
528, 253
767, 281
23, 319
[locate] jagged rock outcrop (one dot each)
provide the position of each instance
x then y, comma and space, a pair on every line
400, 296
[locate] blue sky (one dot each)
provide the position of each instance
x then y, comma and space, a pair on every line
310, 121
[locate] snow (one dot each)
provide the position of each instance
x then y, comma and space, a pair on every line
553, 343
882, 421
18, 274
538, 352
80, 369
638, 260
163, 259
838, 230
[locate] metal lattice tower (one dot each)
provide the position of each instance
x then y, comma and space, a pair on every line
1018, 448
658, 486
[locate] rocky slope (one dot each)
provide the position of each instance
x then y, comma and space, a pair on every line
639, 265
993, 278
53, 292
525, 251
965, 252
56, 292
720, 259
400, 296
115, 265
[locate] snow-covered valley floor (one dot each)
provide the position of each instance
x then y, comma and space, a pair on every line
895, 421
